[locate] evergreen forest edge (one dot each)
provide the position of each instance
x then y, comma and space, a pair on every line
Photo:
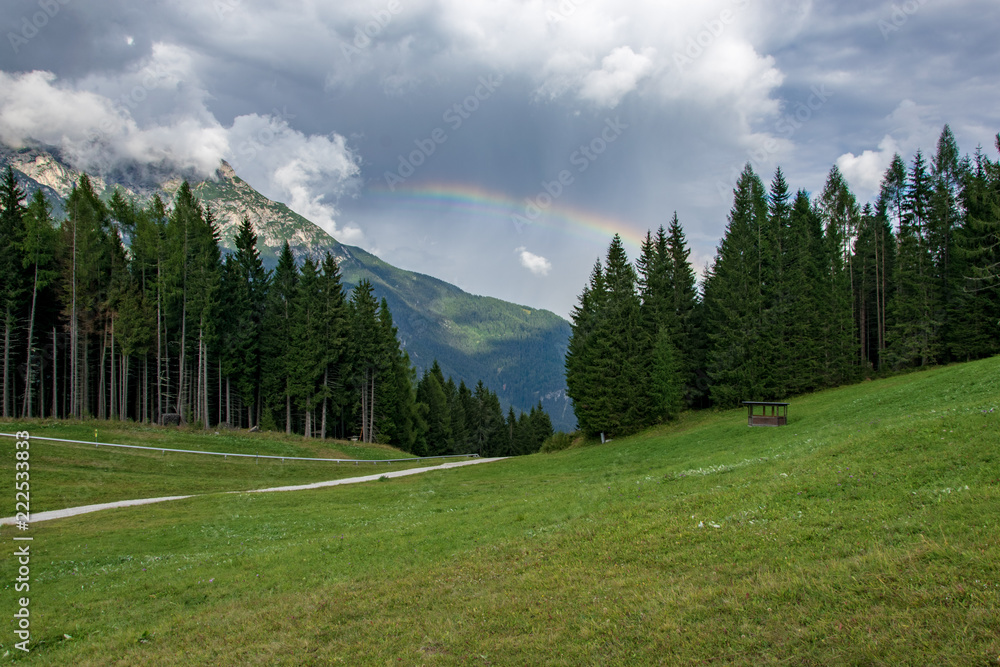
802, 295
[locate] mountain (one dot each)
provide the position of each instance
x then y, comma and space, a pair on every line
517, 351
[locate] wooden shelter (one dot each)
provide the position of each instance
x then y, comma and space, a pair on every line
764, 413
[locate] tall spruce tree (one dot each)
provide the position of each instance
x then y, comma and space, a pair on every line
913, 334
734, 299
13, 280
275, 334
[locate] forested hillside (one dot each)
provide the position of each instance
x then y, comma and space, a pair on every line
170, 331
515, 350
804, 293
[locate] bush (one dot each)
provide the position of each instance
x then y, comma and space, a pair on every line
557, 442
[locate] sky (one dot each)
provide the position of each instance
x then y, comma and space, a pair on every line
499, 145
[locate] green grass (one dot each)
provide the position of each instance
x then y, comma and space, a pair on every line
69, 475
864, 532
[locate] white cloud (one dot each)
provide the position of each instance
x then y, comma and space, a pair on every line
95, 121
155, 113
308, 173
620, 72
864, 172
911, 127
534, 263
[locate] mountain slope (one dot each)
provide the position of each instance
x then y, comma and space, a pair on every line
517, 351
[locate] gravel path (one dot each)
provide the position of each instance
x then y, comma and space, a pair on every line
84, 509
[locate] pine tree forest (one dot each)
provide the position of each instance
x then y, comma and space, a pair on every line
805, 292
122, 311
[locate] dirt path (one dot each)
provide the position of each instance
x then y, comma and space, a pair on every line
84, 509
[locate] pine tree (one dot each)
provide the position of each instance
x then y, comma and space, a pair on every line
13, 281
430, 392
38, 252
734, 299
838, 210
912, 335
397, 420
305, 347
335, 395
246, 284
944, 218
365, 354
977, 262
275, 334
685, 305
583, 379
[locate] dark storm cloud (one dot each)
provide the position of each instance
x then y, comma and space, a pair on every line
316, 102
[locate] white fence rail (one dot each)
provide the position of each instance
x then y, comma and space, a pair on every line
250, 456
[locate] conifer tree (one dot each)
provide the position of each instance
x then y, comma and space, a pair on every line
685, 305
38, 257
305, 347
944, 219
838, 210
583, 378
734, 299
246, 284
275, 334
977, 256
13, 281
335, 398
912, 310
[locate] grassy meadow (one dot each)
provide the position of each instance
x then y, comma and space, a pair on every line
69, 475
864, 532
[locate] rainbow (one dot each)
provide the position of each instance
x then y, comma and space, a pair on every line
487, 205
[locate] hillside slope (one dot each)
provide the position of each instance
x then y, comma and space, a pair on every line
517, 351
864, 532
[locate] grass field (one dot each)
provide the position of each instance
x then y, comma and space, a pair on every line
70, 475
864, 532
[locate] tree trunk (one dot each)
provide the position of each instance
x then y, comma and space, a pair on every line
159, 350
55, 376
6, 362
180, 362
31, 339
123, 410
322, 428
113, 411
288, 409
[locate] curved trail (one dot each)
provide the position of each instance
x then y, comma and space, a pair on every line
85, 509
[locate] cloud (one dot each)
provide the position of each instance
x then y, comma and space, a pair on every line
911, 127
154, 113
307, 172
864, 172
534, 263
620, 72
